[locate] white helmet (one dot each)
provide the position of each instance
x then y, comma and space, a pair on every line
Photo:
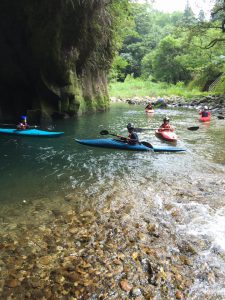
205, 107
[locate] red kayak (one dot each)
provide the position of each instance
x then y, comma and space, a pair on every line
205, 119
166, 135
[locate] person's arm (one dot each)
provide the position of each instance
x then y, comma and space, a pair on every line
133, 138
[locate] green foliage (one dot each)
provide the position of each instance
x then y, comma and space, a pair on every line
118, 69
205, 77
173, 47
220, 86
147, 65
150, 27
166, 63
132, 87
188, 15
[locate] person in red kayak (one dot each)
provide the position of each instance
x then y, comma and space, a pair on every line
204, 113
149, 106
23, 124
132, 137
166, 125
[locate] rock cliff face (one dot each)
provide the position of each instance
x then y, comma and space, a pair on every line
54, 57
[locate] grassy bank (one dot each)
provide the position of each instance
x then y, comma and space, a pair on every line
136, 87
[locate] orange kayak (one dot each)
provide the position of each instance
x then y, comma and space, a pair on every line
166, 135
205, 119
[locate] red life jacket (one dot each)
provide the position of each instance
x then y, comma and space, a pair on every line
166, 126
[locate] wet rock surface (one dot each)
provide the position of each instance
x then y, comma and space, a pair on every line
75, 254
63, 250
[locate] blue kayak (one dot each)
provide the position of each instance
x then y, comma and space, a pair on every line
118, 144
30, 132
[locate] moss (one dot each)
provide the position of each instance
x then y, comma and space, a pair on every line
204, 79
220, 85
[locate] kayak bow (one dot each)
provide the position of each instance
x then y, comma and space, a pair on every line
166, 135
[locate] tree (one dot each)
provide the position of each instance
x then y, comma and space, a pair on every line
201, 16
150, 27
166, 64
118, 69
188, 15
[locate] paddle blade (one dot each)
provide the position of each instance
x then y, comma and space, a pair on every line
193, 128
220, 117
104, 132
147, 144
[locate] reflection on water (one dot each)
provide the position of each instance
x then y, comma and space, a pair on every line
183, 192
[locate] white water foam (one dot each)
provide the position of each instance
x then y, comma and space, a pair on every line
205, 221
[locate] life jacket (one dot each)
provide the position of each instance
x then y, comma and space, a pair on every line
204, 113
22, 126
166, 126
134, 138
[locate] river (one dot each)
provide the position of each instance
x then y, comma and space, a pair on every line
174, 202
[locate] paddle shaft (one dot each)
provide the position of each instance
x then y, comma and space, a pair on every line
162, 129
105, 132
146, 129
33, 126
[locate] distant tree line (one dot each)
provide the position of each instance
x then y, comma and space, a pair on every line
171, 47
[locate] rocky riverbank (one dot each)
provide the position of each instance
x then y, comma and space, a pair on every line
215, 103
124, 250
60, 251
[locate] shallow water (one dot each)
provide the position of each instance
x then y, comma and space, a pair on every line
32, 167
186, 189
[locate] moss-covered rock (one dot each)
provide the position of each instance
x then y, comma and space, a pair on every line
54, 56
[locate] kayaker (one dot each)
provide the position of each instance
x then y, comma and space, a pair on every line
132, 137
149, 106
23, 124
166, 125
204, 113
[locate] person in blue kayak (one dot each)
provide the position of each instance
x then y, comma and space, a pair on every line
23, 124
132, 136
204, 113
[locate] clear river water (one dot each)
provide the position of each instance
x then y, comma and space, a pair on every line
187, 190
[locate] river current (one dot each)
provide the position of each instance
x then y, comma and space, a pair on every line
187, 190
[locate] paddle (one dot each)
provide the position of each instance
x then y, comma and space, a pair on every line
105, 132
3, 124
145, 129
193, 128
147, 144
220, 117
29, 127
